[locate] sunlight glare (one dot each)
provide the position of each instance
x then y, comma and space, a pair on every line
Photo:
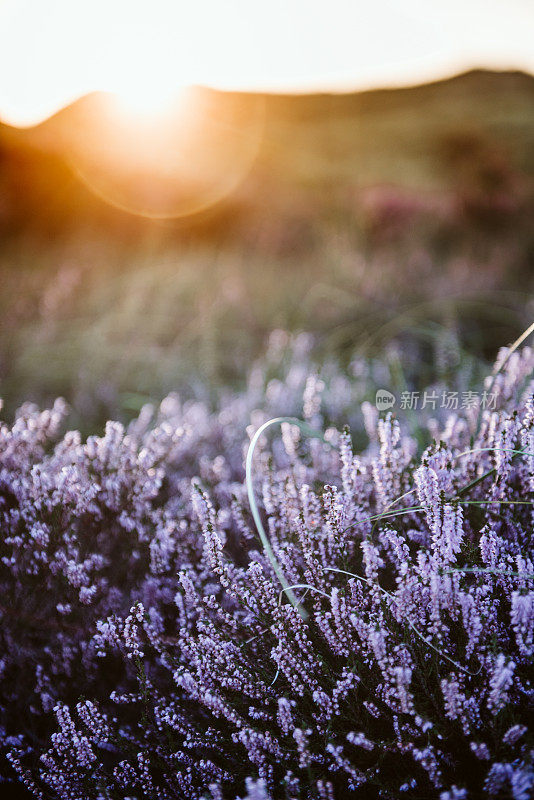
166, 155
149, 99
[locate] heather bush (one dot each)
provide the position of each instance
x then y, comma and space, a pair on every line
88, 528
379, 646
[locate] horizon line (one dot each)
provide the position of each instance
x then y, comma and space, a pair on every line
342, 88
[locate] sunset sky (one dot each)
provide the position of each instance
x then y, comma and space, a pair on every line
56, 50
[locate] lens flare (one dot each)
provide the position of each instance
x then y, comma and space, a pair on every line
166, 156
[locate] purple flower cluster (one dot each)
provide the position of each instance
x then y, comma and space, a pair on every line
132, 574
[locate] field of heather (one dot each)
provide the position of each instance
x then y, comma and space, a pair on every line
267, 472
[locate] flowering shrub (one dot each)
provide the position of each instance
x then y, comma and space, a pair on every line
380, 646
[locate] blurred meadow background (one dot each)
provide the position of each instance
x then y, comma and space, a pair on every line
382, 222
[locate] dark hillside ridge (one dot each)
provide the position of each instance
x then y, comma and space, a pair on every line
419, 139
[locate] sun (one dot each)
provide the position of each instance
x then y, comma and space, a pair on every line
149, 99
166, 154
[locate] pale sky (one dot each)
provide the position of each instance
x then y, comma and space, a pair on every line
52, 51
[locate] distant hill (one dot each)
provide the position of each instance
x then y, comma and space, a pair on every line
473, 133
